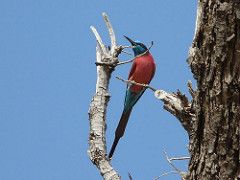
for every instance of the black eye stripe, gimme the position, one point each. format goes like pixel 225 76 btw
pixel 143 46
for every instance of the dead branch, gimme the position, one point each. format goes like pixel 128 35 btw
pixel 97 111
pixel 179 158
pixel 136 83
pixel 166 174
pixel 125 62
pixel 181 173
pixel 176 170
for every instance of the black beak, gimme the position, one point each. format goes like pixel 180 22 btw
pixel 131 41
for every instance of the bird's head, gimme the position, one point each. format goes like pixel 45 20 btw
pixel 138 47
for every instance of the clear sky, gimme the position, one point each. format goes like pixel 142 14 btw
pixel 48 75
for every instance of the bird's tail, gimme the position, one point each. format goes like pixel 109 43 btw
pixel 120 130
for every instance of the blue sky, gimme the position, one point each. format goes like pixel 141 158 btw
pixel 48 75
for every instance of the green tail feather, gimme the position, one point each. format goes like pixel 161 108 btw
pixel 130 100
pixel 120 130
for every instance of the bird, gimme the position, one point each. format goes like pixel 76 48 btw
pixel 142 71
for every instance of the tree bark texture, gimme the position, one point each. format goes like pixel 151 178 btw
pixel 214 59
pixel 106 58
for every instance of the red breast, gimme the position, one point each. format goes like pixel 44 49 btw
pixel 143 72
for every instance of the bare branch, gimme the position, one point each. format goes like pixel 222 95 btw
pixel 128 53
pixel 151 45
pixel 125 62
pixel 97 111
pixel 182 174
pixel 179 158
pixel 173 166
pixel 136 83
pixel 166 174
pixel 125 47
pixel 111 33
pixel 99 39
pixel 177 171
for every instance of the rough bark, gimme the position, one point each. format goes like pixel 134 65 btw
pixel 214 59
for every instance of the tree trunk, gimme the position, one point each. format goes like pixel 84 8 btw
pixel 214 59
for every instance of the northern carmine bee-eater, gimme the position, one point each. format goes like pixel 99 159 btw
pixel 142 71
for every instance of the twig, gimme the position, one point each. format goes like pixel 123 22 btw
pixel 136 83
pixel 130 176
pixel 166 174
pixel 146 51
pixel 121 49
pixel 131 60
pixel 127 52
pixel 118 49
pixel 182 174
pixel 99 39
pixel 125 47
pixel 111 32
pixel 177 171
pixel 125 62
pixel 170 162
pixel 151 45
pixel 179 158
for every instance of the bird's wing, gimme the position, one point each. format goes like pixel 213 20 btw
pixel 133 68
pixel 131 98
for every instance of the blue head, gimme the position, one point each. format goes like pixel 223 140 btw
pixel 138 47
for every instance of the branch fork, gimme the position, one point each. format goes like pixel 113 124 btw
pixel 106 58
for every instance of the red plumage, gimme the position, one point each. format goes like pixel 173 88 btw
pixel 142 71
